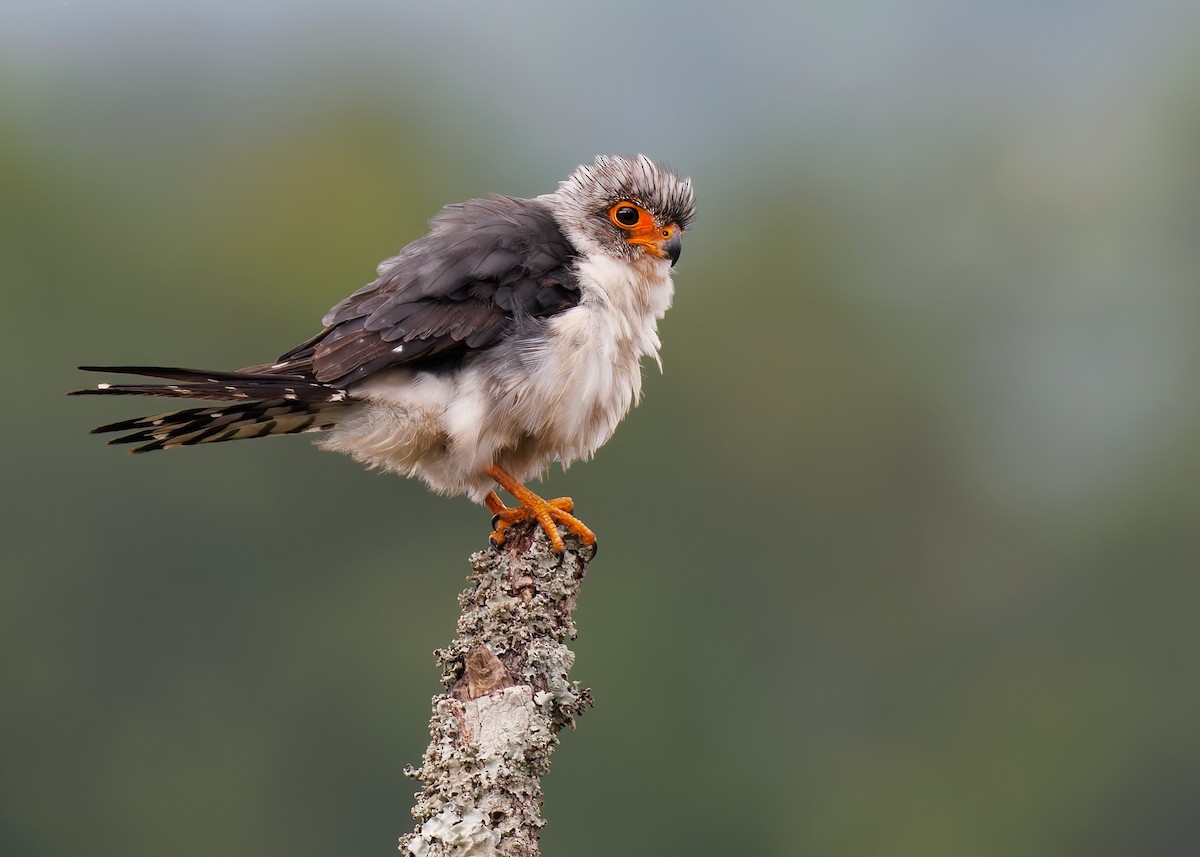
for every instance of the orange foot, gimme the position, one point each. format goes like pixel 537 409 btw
pixel 533 507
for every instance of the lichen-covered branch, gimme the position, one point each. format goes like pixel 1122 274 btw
pixel 508 695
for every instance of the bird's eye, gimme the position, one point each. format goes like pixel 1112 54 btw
pixel 624 214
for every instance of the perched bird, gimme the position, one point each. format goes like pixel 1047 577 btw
pixel 507 337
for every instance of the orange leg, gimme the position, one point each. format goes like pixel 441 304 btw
pixel 533 507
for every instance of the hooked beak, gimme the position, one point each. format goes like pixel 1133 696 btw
pixel 674 245
pixel 665 242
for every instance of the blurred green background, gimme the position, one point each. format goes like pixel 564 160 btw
pixel 899 556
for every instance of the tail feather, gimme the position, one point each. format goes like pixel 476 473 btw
pixel 175 373
pixel 265 405
pixel 213 386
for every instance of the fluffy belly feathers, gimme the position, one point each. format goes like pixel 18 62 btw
pixel 555 394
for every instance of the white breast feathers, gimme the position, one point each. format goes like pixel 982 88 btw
pixel 555 391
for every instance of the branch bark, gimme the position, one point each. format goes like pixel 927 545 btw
pixel 508 696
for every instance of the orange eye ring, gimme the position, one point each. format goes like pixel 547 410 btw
pixel 627 215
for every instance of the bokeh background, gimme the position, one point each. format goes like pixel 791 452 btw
pixel 899 556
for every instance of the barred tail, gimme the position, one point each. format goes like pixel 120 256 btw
pixel 264 404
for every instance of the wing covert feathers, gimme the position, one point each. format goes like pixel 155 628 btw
pixel 454 290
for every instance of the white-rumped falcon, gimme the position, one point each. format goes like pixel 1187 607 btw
pixel 507 337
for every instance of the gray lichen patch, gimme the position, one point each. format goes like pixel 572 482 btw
pixel 493 732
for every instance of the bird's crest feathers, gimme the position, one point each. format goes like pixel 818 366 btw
pixel 591 188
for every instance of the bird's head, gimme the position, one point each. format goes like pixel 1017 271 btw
pixel 626 207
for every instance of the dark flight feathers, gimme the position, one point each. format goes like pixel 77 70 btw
pixel 484 263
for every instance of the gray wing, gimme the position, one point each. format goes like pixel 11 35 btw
pixel 455 290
